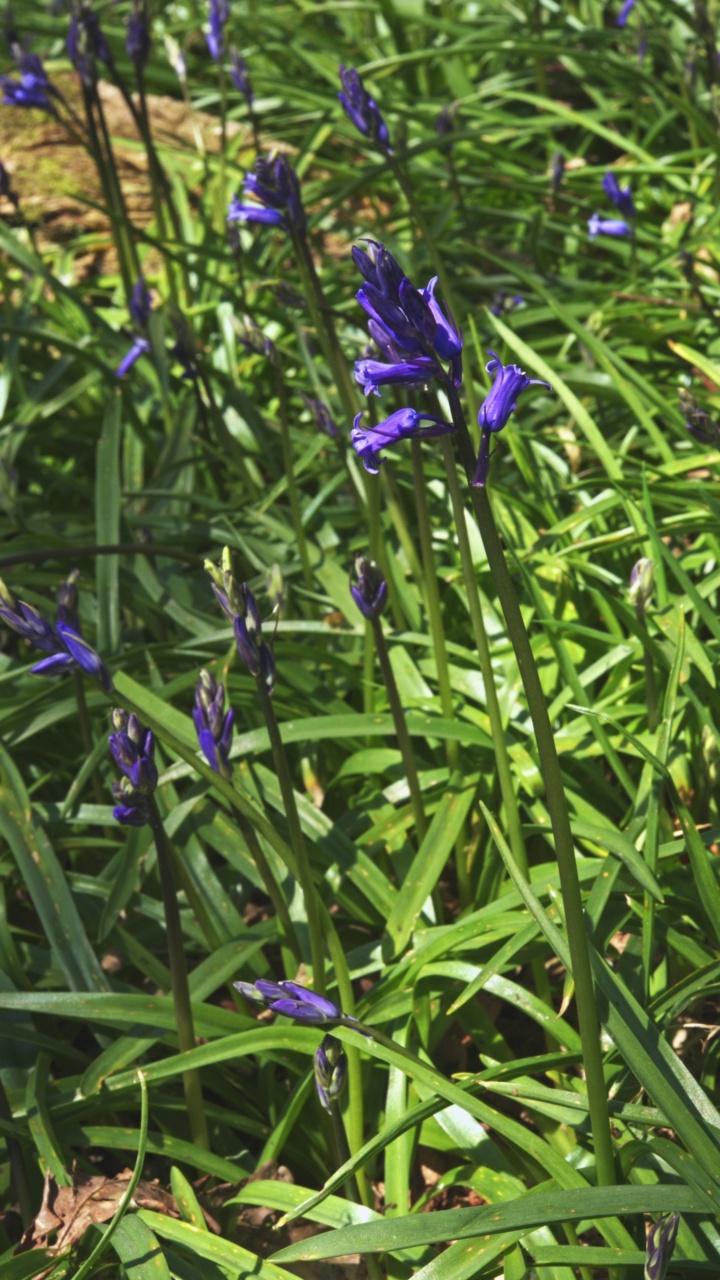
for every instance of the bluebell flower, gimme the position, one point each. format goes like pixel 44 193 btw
pixel 133 750
pixel 240 77
pixel 625 12
pixel 139 307
pixel 68 650
pixel 598 226
pixel 660 1245
pixel 509 383
pixel 361 109
pixel 324 420
pixel 330 1065
pixel 275 184
pixel 370 590
pixel 140 347
pixel 137 34
pixel 373 374
pixel 448 342
pixel 378 267
pixel 240 607
pixel 86 43
pixel 213 726
pixel 620 196
pixel 404 424
pixel 33 89
pixel 291 1000
pixel 218 14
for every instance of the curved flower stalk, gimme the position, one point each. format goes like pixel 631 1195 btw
pixel 509 383
pixel 362 110
pixel 66 647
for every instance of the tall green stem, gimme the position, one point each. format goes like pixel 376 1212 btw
pixel 178 975
pixel 292 956
pixel 297 839
pixel 401 731
pixel 86 734
pixel 289 464
pixel 556 803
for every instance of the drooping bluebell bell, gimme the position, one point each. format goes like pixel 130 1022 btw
pixel 137 34
pixel 701 424
pixel 448 342
pixel 324 420
pixel 86 43
pixel 373 374
pixel 330 1065
pixel 660 1245
pixel 290 1000
pixel 275 184
pixel 598 226
pixel 404 424
pixel 509 381
pixel 240 77
pixel 33 89
pixel 133 750
pixel 624 14
pixel 240 607
pixel 370 590
pixel 67 649
pixel 218 14
pixel 139 307
pixel 361 109
pixel 214 726
pixel 620 196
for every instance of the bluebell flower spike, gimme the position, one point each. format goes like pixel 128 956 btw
pixel 362 110
pixel 137 34
pixel 404 424
pixel 330 1066
pixel 67 649
pixel 700 424
pixel 218 14
pixel 621 197
pixel 509 381
pixel 275 184
pixel 214 726
pixel 86 43
pixel 67 600
pixel 324 420
pixel 33 89
pixel 133 749
pixel 240 607
pixel 369 591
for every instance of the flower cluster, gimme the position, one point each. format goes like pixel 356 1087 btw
pixel 214 728
pixel 361 109
pixel 330 1066
pixel 240 606
pixel 275 184
pixel 291 1001
pixel 67 649
pixel 370 590
pixel 133 750
pixel 139 307
pixel 501 401
pixel 33 89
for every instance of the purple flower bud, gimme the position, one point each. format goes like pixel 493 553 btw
pixel 660 1245
pixel 67 600
pixel 598 226
pixel 378 267
pixel 214 729
pixel 239 76
pixel 504 302
pixel 66 647
pixel 133 749
pixel 370 590
pixel 139 305
pixel 218 14
pixel 448 341
pixel 86 43
pixel 140 347
pixel 330 1070
pixel 401 425
pixel 625 12
pixel 509 382
pixel 362 110
pixel 137 38
pixel 291 1000
pixel 275 184
pixel 620 196
pixel 33 89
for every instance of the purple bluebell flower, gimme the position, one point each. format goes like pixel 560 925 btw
pixel 625 12
pixel 330 1066
pixel 324 420
pixel 218 14
pixel 213 726
pixel 67 600
pixel 139 307
pixel 378 267
pixel 660 1245
pixel 137 35
pixel 240 77
pixel 370 590
pixel 86 43
pixel 133 750
pixel 240 607
pixel 509 382
pixel 33 89
pixel 67 649
pixel 404 424
pixel 361 109
pixel 598 226
pixel 275 184
pixel 448 342
pixel 620 196
pixel 503 302
pixel 701 424
pixel 140 347
pixel 373 374
pixel 291 1000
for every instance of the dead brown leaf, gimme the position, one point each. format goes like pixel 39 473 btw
pixel 67 1212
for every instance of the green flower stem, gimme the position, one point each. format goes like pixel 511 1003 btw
pixel 401 731
pixel 115 213
pixel 290 947
pixel 289 464
pixel 324 325
pixel 114 179
pixel 437 633
pixel 178 975
pixel 355 1109
pixel 557 808
pixel 650 686
pixel 297 839
pixel 87 734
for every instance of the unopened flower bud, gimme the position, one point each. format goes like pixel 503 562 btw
pixel 330 1071
pixel 660 1245
pixel 641 584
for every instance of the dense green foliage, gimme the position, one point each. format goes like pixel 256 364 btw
pixel 473 1101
